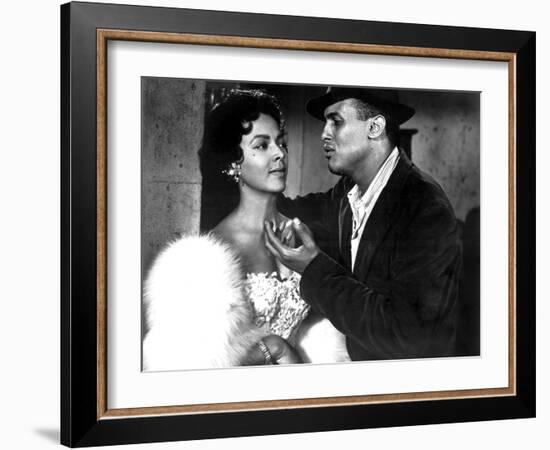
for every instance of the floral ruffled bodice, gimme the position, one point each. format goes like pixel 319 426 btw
pixel 276 303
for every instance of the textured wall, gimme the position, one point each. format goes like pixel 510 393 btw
pixel 172 123
pixel 447 144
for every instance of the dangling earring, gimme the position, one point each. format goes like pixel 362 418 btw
pixel 234 171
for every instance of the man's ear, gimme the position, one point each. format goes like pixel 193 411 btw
pixel 377 126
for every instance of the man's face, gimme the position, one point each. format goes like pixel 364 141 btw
pixel 345 138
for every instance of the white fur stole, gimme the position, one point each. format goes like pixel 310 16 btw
pixel 196 312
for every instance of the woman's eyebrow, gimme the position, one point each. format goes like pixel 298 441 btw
pixel 260 136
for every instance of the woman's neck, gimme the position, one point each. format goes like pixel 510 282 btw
pixel 255 207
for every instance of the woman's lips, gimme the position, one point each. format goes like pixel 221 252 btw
pixel 278 172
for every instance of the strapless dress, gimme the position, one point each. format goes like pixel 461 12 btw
pixel 276 303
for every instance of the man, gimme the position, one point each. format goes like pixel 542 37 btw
pixel 382 259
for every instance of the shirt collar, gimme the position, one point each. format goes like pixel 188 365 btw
pixel 359 202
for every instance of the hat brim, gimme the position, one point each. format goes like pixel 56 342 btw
pixel 397 111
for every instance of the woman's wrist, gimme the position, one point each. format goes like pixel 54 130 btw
pixel 268 357
pixel 271 349
pixel 275 346
pixel 281 351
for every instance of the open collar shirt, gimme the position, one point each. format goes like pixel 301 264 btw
pixel 362 205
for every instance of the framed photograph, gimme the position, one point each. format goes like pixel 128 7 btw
pixel 278 224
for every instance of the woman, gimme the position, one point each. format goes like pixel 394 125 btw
pixel 250 309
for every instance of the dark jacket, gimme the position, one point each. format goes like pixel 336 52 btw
pixel 400 299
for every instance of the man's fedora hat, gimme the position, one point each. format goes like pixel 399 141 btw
pixel 384 99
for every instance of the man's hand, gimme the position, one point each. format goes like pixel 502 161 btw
pixel 296 259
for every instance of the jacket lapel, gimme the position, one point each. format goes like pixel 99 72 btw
pixel 344 224
pixel 344 231
pixel 382 214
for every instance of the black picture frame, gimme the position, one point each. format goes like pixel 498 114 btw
pixel 82 424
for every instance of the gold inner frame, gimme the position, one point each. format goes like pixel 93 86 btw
pixel 104 35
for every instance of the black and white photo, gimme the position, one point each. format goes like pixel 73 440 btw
pixel 286 223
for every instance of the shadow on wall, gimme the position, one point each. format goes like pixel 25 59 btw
pixel 468 331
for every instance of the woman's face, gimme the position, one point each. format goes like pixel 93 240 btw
pixel 264 163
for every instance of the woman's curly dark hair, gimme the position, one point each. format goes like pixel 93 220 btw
pixel 225 125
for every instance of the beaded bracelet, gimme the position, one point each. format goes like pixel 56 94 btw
pixel 267 354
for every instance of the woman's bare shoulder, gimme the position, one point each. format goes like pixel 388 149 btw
pixel 221 231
